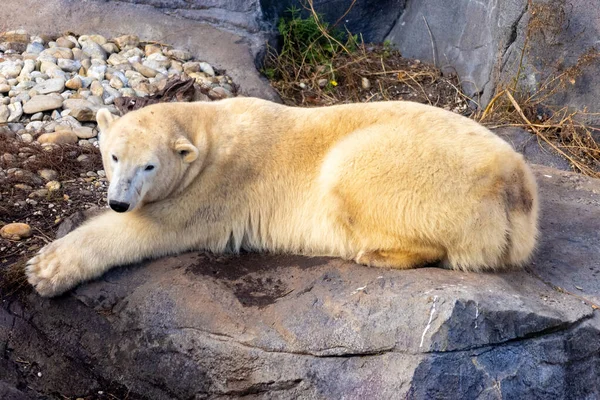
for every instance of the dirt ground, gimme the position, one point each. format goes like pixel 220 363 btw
pixel 25 198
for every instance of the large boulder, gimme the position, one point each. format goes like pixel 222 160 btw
pixel 463 36
pixel 280 326
pixel 491 43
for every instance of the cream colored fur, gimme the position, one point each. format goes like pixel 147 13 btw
pixel 392 184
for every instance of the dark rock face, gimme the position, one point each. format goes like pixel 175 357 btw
pixel 278 326
pixel 372 18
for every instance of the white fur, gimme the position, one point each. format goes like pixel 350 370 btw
pixel 394 184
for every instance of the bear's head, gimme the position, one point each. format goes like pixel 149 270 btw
pixel 146 155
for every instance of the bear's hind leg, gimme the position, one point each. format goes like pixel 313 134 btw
pixel 400 259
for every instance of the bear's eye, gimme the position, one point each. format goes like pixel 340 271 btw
pixel 115 159
pixel 149 167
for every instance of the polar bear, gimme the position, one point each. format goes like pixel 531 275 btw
pixel 388 184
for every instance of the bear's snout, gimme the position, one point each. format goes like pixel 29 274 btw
pixel 118 206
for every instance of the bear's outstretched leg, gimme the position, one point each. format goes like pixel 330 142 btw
pixel 105 241
pixel 400 259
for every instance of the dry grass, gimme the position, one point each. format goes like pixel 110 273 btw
pixel 563 129
pixel 319 65
pixel 60 158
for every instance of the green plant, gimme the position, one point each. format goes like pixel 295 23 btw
pixel 307 44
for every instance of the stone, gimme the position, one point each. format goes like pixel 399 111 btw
pixel 43 103
pixel 50 86
pixel 65 42
pixel 82 110
pixel 60 52
pixel 16 231
pixel 116 59
pixel 127 41
pixel 180 55
pixel 96 88
pixel 150 49
pixel 96 100
pixel 207 68
pixel 91 48
pixel 39 193
pixel 4 88
pixel 74 83
pixel 8 158
pixel 191 67
pixel 35 48
pixel 23 187
pixel 110 48
pixel 28 68
pixel 4 114
pixel 365 83
pixel 46 56
pixel 53 186
pixel 69 65
pixel 48 174
pixel 11 69
pixel 145 70
pixel 218 93
pixel 37 116
pixel 101 40
pixel 16 111
pixel 46 66
pixel 116 82
pixel 61 137
pixel 85 132
pixel 96 72
pixel 35 126
pixel 79 55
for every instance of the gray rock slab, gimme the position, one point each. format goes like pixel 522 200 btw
pixel 535 150
pixel 569 250
pixel 55 85
pixel 43 102
pixel 463 36
pixel 281 326
pixel 563 42
pixel 484 41
pixel 222 49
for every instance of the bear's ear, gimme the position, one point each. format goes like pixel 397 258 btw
pixel 104 119
pixel 186 150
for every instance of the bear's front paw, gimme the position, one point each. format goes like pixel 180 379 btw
pixel 56 269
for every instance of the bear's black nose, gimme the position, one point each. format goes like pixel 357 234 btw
pixel 118 206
